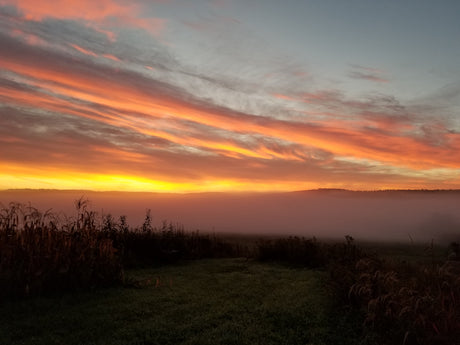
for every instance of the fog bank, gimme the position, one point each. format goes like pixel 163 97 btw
pixel 390 215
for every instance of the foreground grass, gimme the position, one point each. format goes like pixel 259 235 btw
pixel 219 301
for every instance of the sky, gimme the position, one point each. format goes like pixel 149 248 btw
pixel 227 95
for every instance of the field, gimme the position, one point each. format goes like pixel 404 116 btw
pixel 217 301
pixel 90 280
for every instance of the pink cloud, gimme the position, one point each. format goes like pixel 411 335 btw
pixel 29 38
pixel 285 97
pixel 111 57
pixel 91 53
pixel 137 104
pixel 104 12
pixel 84 51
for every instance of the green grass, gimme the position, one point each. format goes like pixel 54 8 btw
pixel 218 301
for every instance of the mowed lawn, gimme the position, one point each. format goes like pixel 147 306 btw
pixel 219 301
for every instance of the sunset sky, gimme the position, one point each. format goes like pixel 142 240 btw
pixel 229 95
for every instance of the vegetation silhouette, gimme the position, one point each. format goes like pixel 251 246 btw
pixel 400 301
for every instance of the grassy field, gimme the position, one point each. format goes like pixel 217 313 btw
pixel 214 301
pixel 196 289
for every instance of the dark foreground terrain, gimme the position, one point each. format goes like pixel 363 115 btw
pixel 217 301
pixel 95 280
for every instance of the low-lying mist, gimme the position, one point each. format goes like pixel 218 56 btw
pixel 405 216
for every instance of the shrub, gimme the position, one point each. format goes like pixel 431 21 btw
pixel 167 244
pixel 293 250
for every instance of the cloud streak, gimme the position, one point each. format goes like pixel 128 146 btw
pixel 101 14
pixel 73 110
pixel 366 73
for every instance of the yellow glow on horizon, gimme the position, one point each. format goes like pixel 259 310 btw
pixel 24 177
pixel 97 182
pixel 138 184
pixel 17 177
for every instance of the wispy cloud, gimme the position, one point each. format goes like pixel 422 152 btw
pixel 103 14
pixel 367 73
pixel 73 105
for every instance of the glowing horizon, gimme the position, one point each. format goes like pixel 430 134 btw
pixel 156 97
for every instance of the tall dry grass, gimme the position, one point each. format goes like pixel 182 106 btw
pixel 168 243
pixel 401 302
pixel 39 253
pixel 410 305
pixel 406 303
pixel 42 252
pixel 309 252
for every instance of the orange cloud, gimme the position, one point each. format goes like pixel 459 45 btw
pixel 91 53
pixel 84 51
pixel 217 146
pixel 285 97
pixel 356 142
pixel 29 38
pixel 111 57
pixel 70 9
pixel 108 12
